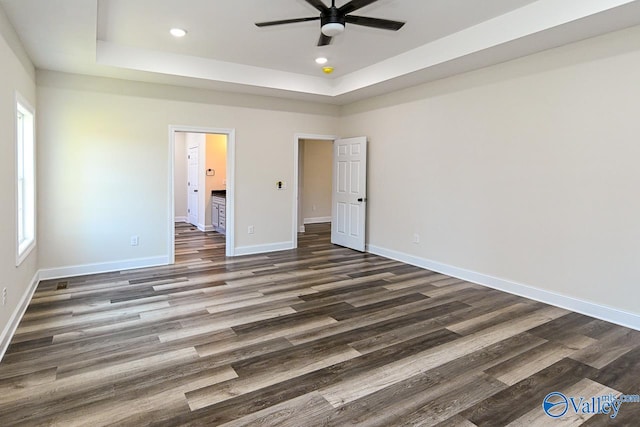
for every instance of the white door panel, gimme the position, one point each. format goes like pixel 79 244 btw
pixel 349 197
pixel 192 186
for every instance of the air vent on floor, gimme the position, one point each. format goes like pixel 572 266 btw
pixel 61 285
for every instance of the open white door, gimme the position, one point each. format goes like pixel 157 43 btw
pixel 192 186
pixel 348 212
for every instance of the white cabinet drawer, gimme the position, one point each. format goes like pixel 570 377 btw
pixel 219 213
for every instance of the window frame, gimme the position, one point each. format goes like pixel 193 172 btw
pixel 25 177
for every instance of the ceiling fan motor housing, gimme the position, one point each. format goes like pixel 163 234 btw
pixel 332 17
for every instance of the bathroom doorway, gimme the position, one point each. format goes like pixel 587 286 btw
pixel 202 196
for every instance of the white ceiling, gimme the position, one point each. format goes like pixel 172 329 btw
pixel 224 50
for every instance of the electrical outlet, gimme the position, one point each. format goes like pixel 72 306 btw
pixel 135 240
pixel 416 238
pixel 314 208
pixel 251 229
pixel 4 296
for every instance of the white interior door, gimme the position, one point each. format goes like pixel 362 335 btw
pixel 192 185
pixel 349 198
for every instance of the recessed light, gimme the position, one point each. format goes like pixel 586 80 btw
pixel 321 60
pixel 178 32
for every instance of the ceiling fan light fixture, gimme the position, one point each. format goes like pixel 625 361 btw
pixel 332 29
pixel 333 19
pixel 321 60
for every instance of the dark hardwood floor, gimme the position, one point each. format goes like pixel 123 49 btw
pixel 317 336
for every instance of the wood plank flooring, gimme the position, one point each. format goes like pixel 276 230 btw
pixel 319 336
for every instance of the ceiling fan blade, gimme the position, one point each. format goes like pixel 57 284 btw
pixel 318 5
pixel 354 5
pixel 324 40
pixel 384 24
pixel 286 21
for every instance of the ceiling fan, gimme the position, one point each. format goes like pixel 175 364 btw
pixel 333 19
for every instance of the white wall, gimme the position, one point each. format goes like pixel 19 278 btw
pixel 216 160
pixel 525 171
pixel 180 180
pixel 316 182
pixel 106 175
pixel 17 75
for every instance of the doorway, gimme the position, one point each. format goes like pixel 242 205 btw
pixel 313 168
pixel 347 174
pixel 202 171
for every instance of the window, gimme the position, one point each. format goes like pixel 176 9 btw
pixel 25 179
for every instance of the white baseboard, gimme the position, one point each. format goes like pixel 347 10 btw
pixel 609 314
pixel 205 228
pixel 16 317
pixel 180 219
pixel 104 267
pixel 258 249
pixel 302 229
pixel 317 220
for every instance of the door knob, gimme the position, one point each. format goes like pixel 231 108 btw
pixel 361 199
pixel 195 191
